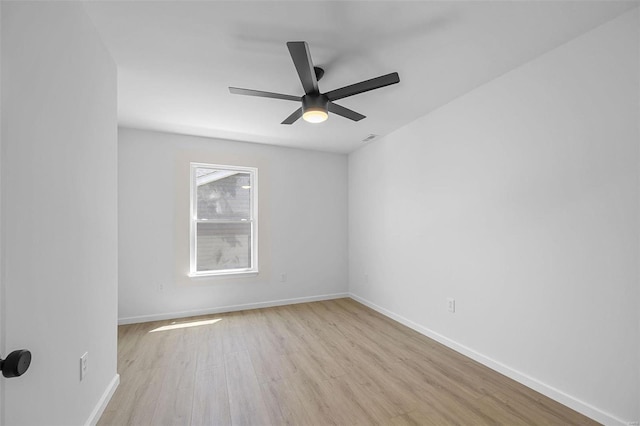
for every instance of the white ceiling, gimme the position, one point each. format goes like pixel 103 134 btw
pixel 176 59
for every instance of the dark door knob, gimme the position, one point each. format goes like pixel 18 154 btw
pixel 16 364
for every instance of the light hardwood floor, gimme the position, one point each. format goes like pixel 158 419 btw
pixel 322 363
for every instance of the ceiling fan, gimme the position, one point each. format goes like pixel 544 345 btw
pixel 315 105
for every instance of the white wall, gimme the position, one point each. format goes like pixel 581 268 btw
pixel 2 309
pixel 59 211
pixel 302 226
pixel 520 200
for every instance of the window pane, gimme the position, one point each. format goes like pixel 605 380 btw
pixel 223 194
pixel 223 246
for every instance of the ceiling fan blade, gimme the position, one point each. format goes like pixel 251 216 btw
pixel 299 51
pixel 345 112
pixel 293 117
pixel 363 86
pixel 260 93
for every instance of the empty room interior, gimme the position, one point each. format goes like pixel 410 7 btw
pixel 320 213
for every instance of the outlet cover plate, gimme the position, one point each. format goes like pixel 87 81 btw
pixel 451 304
pixel 84 365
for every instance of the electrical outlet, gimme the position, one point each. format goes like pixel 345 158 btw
pixel 451 304
pixel 283 277
pixel 366 278
pixel 84 365
pixel 161 287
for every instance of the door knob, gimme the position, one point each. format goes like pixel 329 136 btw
pixel 16 363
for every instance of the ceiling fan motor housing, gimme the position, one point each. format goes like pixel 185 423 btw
pixel 315 102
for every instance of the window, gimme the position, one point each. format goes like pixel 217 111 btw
pixel 224 238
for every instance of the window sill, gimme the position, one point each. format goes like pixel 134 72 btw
pixel 225 274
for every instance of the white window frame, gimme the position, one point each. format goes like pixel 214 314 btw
pixel 193 220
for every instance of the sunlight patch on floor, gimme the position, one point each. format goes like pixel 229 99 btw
pixel 174 326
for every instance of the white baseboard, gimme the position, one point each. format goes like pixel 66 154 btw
pixel 230 308
pixel 104 400
pixel 553 393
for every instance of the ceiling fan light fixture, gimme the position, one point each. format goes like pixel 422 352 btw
pixel 315 115
pixel 315 108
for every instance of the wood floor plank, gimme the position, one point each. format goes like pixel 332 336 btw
pixel 175 400
pixel 210 398
pixel 134 402
pixel 271 366
pixel 376 408
pixel 421 417
pixel 322 363
pixel 284 404
pixel 232 337
pixel 245 398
